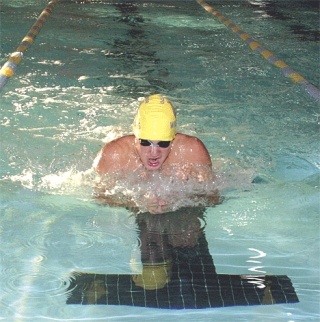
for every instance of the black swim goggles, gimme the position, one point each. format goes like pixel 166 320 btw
pixel 161 144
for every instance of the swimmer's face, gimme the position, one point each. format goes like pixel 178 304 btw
pixel 153 153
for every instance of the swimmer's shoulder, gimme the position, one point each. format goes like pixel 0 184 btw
pixel 192 148
pixel 114 154
pixel 125 142
pixel 188 141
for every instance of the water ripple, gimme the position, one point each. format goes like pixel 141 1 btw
pixel 34 283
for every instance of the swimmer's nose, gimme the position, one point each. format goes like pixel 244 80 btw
pixel 154 149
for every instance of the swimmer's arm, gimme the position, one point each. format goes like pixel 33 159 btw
pixel 213 197
pixel 207 200
pixel 107 164
pixel 204 175
pixel 202 172
pixel 108 159
pixel 118 200
pixel 98 163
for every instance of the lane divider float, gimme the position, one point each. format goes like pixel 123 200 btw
pixel 9 68
pixel 287 71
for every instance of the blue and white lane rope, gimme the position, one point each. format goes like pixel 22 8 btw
pixel 286 70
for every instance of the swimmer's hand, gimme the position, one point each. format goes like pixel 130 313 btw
pixel 157 205
pixel 153 203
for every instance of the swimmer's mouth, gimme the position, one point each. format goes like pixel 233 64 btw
pixel 153 162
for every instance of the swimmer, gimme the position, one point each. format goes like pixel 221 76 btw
pixel 155 147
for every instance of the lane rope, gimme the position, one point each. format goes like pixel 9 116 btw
pixel 287 71
pixel 9 68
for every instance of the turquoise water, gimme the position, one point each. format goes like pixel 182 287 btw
pixel 77 89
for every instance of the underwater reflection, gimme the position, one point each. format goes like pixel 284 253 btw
pixel 178 272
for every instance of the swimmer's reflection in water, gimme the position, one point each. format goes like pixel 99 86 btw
pixel 177 272
pixel 174 249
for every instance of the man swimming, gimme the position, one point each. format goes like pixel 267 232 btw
pixel 155 147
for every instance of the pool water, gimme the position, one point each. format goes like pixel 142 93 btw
pixel 77 88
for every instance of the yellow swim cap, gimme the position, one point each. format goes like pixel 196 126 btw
pixel 155 119
pixel 154 276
